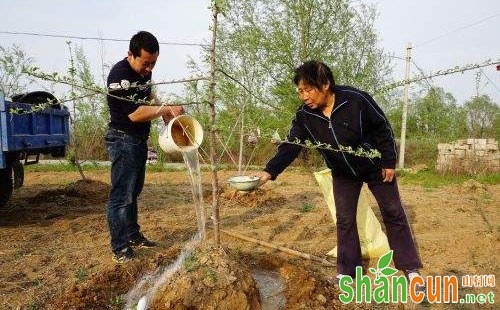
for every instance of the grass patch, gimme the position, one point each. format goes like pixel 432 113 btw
pixel 35 305
pixel 81 274
pixel 116 302
pixel 431 179
pixel 305 208
pixel 65 167
pixel 428 179
pixel 210 275
pixel 191 263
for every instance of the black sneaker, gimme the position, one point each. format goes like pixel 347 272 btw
pixel 410 274
pixel 142 241
pixel 123 256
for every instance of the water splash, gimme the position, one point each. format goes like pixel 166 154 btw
pixel 145 289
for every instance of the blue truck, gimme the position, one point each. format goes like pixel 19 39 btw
pixel 26 134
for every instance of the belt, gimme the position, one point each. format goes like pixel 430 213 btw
pixel 121 132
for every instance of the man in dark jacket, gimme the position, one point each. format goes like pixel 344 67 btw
pixel 343 116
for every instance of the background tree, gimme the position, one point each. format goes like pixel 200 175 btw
pixel 91 112
pixel 482 117
pixel 12 61
pixel 261 42
pixel 436 115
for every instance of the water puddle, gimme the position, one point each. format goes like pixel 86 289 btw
pixel 145 289
pixel 271 289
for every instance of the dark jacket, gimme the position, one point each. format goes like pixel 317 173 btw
pixel 356 121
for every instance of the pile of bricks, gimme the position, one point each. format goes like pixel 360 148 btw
pixel 469 156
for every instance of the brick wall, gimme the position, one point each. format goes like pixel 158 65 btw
pixel 470 156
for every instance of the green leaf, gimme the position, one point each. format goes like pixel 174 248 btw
pixel 385 260
pixel 373 270
pixel 388 271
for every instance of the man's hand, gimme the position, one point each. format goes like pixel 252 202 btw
pixel 264 177
pixel 171 111
pixel 388 175
pixel 175 110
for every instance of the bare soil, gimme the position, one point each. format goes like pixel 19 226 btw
pixel 55 252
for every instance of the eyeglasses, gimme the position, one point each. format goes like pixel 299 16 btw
pixel 306 90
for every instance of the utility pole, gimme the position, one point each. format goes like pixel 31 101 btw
pixel 405 109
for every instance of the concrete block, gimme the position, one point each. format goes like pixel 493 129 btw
pixel 443 146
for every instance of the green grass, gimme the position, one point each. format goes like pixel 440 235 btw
pixel 81 274
pixel 191 263
pixel 116 302
pixel 35 305
pixel 210 275
pixel 431 179
pixel 64 167
pixel 428 179
pixel 305 208
pixel 93 166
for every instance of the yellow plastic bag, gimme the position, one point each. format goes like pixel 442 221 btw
pixel 371 237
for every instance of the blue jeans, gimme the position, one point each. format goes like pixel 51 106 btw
pixel 128 156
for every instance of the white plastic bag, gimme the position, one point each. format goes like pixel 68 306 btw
pixel 371 237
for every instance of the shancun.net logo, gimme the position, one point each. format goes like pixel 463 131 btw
pixel 391 288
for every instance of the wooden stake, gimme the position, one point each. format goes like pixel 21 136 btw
pixel 281 248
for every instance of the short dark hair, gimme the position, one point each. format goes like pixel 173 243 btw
pixel 314 73
pixel 143 40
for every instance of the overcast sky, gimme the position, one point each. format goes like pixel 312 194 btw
pixel 399 22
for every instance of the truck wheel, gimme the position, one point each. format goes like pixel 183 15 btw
pixel 6 185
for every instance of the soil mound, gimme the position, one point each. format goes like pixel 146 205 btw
pixel 89 190
pixel 107 289
pixel 256 198
pixel 209 280
pixel 473 186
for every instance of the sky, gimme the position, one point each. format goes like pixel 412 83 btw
pixel 426 24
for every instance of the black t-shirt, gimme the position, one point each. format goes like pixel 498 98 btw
pixel 125 83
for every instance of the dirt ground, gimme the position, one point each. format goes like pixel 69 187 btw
pixel 55 252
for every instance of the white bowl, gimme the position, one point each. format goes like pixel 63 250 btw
pixel 244 183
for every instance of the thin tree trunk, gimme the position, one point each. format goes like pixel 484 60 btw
pixel 240 157
pixel 215 181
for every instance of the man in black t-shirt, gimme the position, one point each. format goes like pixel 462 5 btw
pixel 129 99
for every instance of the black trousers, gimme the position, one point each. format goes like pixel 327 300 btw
pixel 346 192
